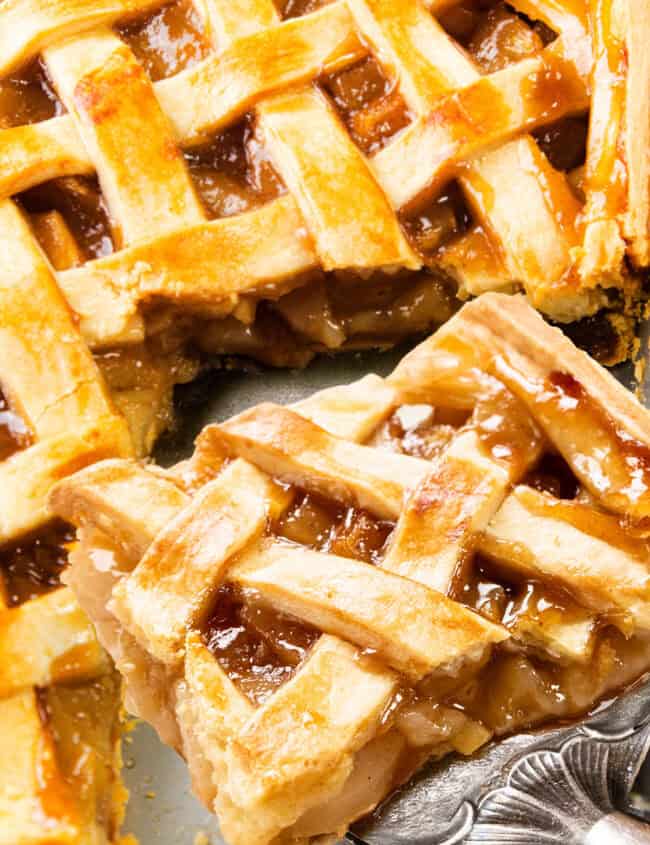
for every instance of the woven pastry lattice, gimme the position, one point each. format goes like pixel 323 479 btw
pixel 381 617
pixel 343 209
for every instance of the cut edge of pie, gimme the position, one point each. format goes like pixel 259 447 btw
pixel 315 603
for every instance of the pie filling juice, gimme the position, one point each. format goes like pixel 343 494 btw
pixel 518 687
pixel 75 762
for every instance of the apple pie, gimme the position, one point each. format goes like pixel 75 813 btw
pixel 292 176
pixel 59 693
pixel 327 595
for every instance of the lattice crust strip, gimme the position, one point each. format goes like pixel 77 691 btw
pixel 50 378
pixel 59 699
pixel 390 631
pixel 46 642
pixel 527 221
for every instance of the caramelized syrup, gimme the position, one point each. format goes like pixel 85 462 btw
pixel 296 8
pixel 370 105
pixel 525 691
pixel 420 430
pixel 440 221
pixel 233 173
pixel 613 462
pixel 323 525
pixel 502 38
pixel 606 174
pixel 84 722
pixel 503 598
pixel 258 650
pixel 28 97
pixel 461 20
pixel 80 202
pixel 505 428
pixel 553 475
pixel 564 142
pixel 169 40
pixel 55 799
pixel 14 434
pixel 33 566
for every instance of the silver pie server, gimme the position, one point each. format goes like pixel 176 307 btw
pixel 569 785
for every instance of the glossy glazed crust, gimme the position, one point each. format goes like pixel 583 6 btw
pixel 157 546
pixel 341 211
pixel 49 375
pixel 53 671
pixel 565 391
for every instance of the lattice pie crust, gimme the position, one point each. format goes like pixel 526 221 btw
pixel 59 695
pixel 327 595
pixel 361 212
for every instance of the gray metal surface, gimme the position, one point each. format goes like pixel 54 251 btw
pixel 445 800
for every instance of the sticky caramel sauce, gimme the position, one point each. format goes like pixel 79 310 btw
pixel 437 222
pixel 321 524
pixel 55 796
pixel 348 294
pixel 28 97
pixel 169 40
pixel 476 253
pixel 421 431
pixel 511 690
pixel 81 229
pixel 553 475
pixel 606 172
pixel 369 104
pixel 505 429
pixel 501 597
pixel 501 38
pixel 233 172
pixel 486 27
pixel 296 8
pixel 461 20
pixel 518 686
pixel 84 723
pixel 564 142
pixel 82 209
pixel 14 433
pixel 33 566
pixel 258 649
pixel 515 691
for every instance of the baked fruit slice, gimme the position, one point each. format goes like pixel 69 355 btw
pixel 327 595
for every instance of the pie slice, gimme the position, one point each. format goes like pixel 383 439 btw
pixel 304 175
pixel 327 595
pixel 60 696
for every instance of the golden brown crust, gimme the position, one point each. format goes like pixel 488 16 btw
pixel 278 728
pixel 59 697
pixel 344 211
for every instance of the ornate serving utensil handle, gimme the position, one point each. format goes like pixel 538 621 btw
pixel 567 796
pixel 565 786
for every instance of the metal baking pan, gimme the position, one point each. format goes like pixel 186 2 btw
pixel 565 785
